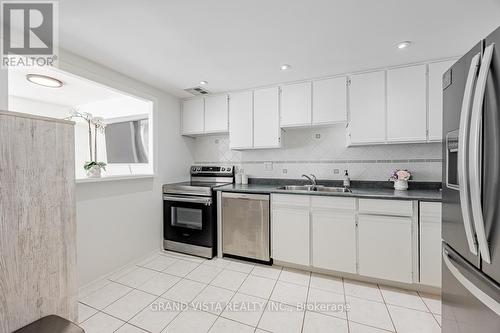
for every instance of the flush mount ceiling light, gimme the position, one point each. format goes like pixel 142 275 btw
pixel 44 80
pixel 285 67
pixel 403 45
pixel 203 83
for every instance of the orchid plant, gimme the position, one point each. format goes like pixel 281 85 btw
pixel 400 174
pixel 98 125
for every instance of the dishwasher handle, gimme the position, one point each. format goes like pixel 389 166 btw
pixel 233 195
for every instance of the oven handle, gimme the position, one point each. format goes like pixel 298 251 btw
pixel 206 201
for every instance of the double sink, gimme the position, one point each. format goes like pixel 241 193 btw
pixel 314 188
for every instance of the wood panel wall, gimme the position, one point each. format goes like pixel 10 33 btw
pixel 37 220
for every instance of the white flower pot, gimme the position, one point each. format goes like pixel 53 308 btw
pixel 401 185
pixel 94 172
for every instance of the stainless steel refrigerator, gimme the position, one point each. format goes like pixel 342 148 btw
pixel 471 191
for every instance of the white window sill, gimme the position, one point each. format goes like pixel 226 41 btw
pixel 112 178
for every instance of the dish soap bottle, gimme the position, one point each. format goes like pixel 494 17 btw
pixel 347 181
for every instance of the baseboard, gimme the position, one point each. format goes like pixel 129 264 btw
pixel 410 286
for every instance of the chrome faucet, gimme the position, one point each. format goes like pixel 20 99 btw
pixel 312 178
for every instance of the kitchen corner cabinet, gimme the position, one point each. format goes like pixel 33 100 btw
pixel 266 118
pixel 329 101
pixel 216 114
pixel 296 104
pixel 333 226
pixel 241 120
pixel 193 116
pixel 366 108
pixel 290 228
pixel 407 104
pixel 205 115
pixel 430 243
pixel 436 71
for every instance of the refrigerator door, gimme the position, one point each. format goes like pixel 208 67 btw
pixel 471 301
pixel 457 231
pixel 491 160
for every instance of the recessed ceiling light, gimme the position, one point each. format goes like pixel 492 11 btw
pixel 44 80
pixel 285 67
pixel 203 83
pixel 403 45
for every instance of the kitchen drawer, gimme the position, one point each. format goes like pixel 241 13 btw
pixel 295 200
pixel 386 207
pixel 324 202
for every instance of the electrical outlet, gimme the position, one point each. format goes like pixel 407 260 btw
pixel 285 171
pixel 317 136
pixel 268 166
pixel 336 171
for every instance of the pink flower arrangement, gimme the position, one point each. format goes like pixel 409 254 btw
pixel 400 174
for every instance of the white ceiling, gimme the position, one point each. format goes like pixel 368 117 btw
pixel 75 91
pixel 237 44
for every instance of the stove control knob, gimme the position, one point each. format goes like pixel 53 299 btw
pixel 223 169
pixel 228 169
pixel 198 169
pixel 193 169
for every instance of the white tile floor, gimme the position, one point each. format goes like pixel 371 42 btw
pixel 170 292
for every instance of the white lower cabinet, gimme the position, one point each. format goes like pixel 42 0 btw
pixel 375 238
pixel 334 240
pixel 430 243
pixel 385 247
pixel 290 229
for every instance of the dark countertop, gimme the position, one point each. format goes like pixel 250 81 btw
pixel 424 193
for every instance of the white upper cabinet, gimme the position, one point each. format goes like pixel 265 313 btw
pixel 329 101
pixel 193 121
pixel 296 105
pixel 266 118
pixel 241 120
pixel 436 71
pixel 367 108
pixel 406 104
pixel 216 114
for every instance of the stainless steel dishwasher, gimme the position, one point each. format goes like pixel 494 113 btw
pixel 245 225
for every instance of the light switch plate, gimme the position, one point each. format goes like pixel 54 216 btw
pixel 268 166
pixel 285 171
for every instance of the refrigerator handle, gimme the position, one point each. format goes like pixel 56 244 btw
pixel 469 285
pixel 475 156
pixel 463 149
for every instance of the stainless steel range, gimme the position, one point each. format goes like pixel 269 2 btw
pixel 190 211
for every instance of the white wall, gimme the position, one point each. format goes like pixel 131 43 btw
pixel 303 153
pixel 25 105
pixel 121 221
pixel 4 91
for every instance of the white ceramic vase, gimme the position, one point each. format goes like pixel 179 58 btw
pixel 401 185
pixel 94 172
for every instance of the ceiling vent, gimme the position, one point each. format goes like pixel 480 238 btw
pixel 197 91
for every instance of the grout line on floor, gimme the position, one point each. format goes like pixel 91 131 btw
pixel 307 300
pixel 387 307
pixel 432 313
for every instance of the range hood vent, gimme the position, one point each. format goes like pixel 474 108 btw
pixel 197 91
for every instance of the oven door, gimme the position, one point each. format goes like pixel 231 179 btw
pixel 189 220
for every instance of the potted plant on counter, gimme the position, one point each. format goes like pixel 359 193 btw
pixel 400 177
pixel 92 167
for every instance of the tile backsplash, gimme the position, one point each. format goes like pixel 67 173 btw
pixel 323 152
